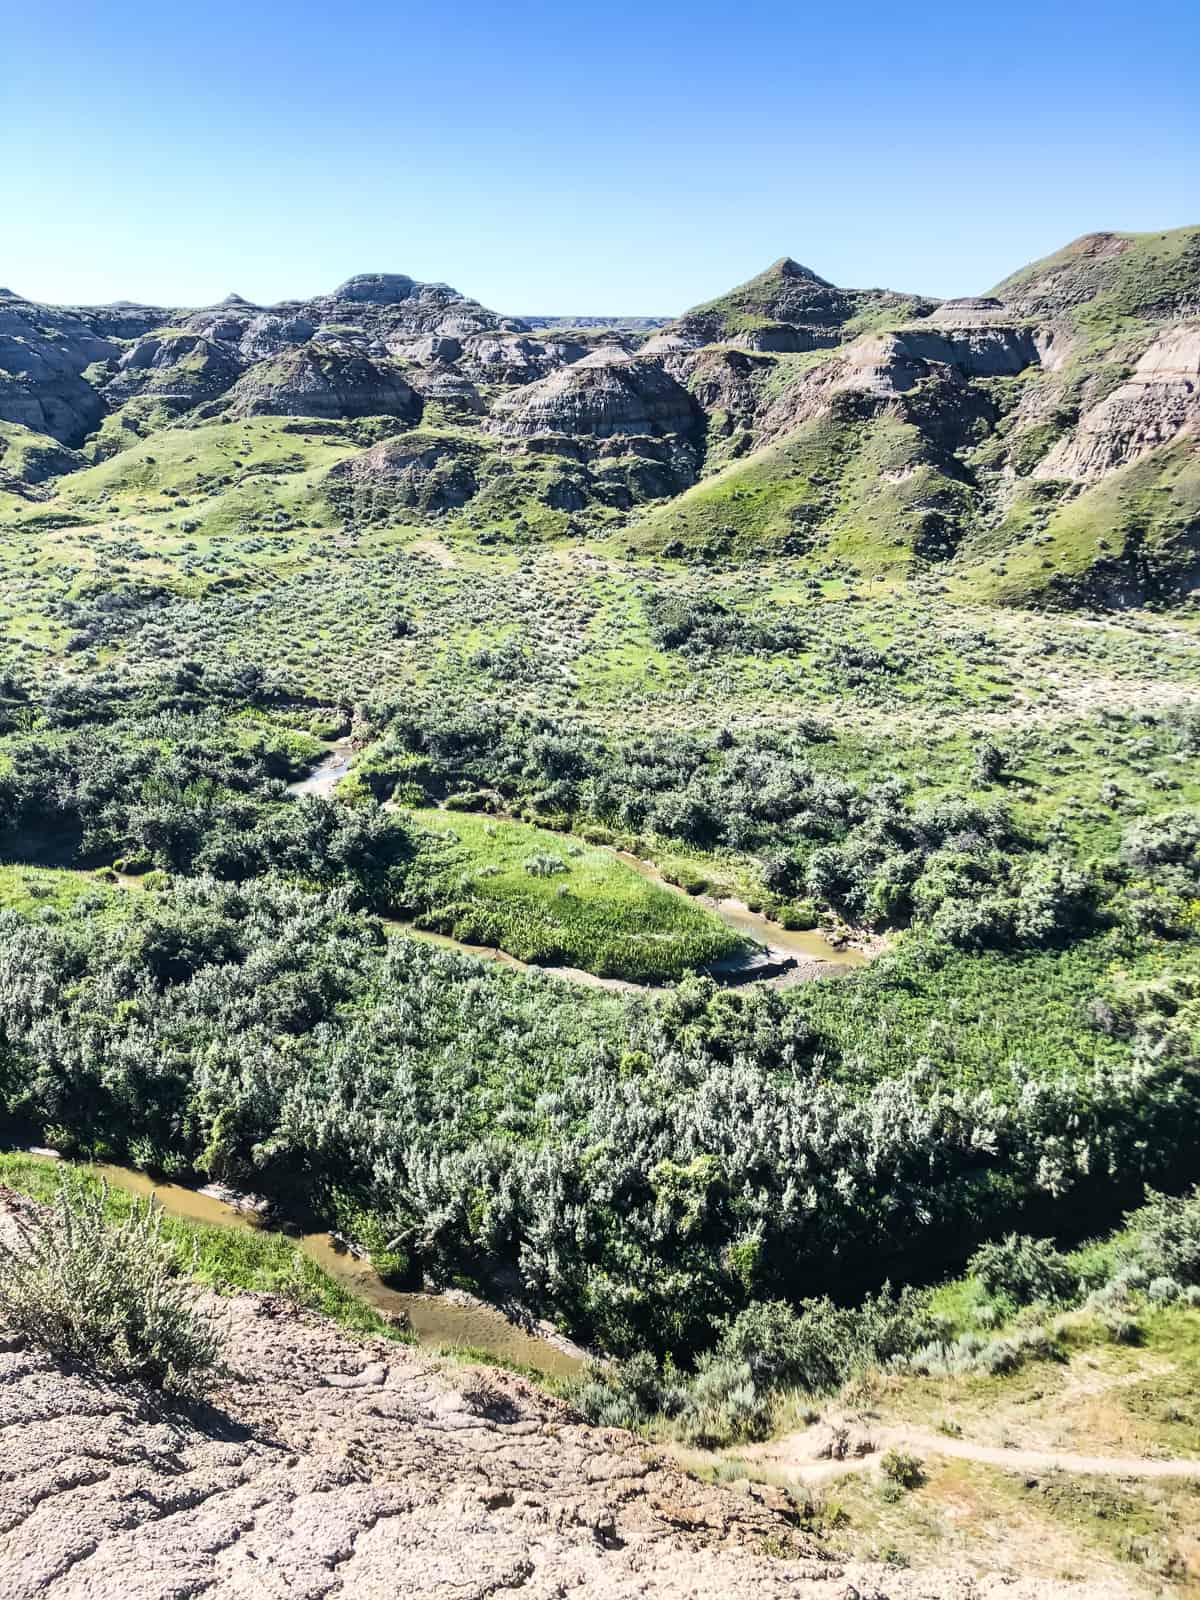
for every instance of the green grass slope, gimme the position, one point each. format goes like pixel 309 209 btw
pixel 1131 538
pixel 870 493
pixel 1108 284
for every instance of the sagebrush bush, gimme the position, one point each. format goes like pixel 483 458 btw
pixel 905 1470
pixel 971 1353
pixel 1024 1268
pixel 723 1405
pixel 720 1404
pixel 1167 1230
pixel 108 1295
pixel 1121 1329
pixel 1164 1291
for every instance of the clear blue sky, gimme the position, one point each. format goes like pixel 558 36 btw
pixel 625 157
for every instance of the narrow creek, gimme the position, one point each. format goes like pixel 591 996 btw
pixel 439 1320
pixel 328 772
pixel 788 955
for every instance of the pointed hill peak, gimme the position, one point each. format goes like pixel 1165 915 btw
pixel 787 267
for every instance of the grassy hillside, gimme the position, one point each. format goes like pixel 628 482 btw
pixel 858 496
pixel 1109 284
pixel 1131 538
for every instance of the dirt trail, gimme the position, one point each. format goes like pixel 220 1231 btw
pixel 328 1468
pixel 804 1455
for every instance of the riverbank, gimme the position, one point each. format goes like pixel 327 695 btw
pixel 767 953
pixel 321 1461
pixel 450 1321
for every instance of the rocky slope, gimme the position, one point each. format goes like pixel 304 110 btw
pixel 1159 401
pixel 330 1467
pixel 605 394
pixel 324 380
pixel 788 308
pixel 931 434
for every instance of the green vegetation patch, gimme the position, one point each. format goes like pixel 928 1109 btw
pixel 228 1259
pixel 550 900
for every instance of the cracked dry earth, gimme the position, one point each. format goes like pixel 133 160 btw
pixel 327 1466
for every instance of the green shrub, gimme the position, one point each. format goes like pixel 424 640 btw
pixel 381 1241
pixel 1025 1269
pixel 111 1297
pixel 798 916
pixel 1167 1230
pixel 684 876
pixel 970 1353
pixel 819 1345
pixel 905 1470
pixel 723 1406
pixel 624 1395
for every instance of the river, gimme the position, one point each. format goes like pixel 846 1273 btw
pixel 441 1320
pixel 787 956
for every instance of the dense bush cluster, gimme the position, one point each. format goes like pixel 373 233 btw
pixel 873 854
pixel 771 1347
pixel 647 1168
pixel 197 794
pixel 695 624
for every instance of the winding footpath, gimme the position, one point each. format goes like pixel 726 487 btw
pixel 803 1455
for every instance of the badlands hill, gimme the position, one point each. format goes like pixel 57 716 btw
pixel 1035 444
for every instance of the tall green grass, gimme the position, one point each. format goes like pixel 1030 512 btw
pixel 547 899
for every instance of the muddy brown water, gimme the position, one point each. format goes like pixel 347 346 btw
pixel 804 944
pixel 441 1321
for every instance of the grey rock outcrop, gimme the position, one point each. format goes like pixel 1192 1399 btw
pixel 605 394
pixel 391 306
pixel 44 351
pixel 969 311
pixel 880 369
pixel 725 383
pixel 517 358
pixel 445 385
pixel 267 333
pixel 178 366
pixel 1159 401
pixel 893 362
pixel 225 324
pixel 379 288
pixel 329 381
